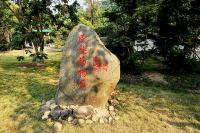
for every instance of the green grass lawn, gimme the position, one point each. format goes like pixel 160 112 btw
pixel 145 106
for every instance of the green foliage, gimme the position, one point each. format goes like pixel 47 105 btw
pixel 172 24
pixel 27 51
pixel 142 104
pixel 48 41
pixel 38 15
pixel 20 58
pixel 179 25
pixel 17 41
pixel 92 15
pixel 58 41
pixel 134 63
pixel 4 47
pixel 39 57
pixel 86 22
pixel 5 25
pixel 127 20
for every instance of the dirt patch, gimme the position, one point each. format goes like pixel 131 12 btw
pixel 30 65
pixel 129 78
pixel 155 77
pixel 152 76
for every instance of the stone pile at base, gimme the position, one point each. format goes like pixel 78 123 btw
pixel 78 115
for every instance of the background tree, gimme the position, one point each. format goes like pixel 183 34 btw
pixel 179 28
pixel 130 20
pixel 174 25
pixel 5 27
pixel 92 13
pixel 91 9
pixel 39 15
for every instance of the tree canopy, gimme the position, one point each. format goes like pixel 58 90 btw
pixel 173 26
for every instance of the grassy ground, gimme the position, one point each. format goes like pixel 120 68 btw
pixel 145 106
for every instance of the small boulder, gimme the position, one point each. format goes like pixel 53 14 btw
pixel 111 108
pixel 63 106
pixel 105 120
pixel 74 121
pixel 101 120
pixel 112 113
pixel 64 114
pixel 46 115
pixel 101 112
pixel 70 119
pixel 74 107
pixel 110 119
pixel 45 108
pixel 117 118
pixel 84 111
pixel 81 121
pixel 88 121
pixel 114 102
pixel 57 127
pixel 95 118
pixel 48 103
pixel 55 114
pixel 88 117
pixel 53 106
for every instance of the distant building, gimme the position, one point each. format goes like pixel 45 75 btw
pixel 146 45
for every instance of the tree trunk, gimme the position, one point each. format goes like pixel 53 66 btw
pixel 42 43
pixel 34 47
pixel 34 44
pixel 7 35
pixel 91 2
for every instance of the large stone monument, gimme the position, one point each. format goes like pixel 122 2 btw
pixel 89 71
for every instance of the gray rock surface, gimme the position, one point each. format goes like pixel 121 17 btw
pixel 84 111
pixel 55 114
pixel 81 121
pixel 57 127
pixel 89 71
pixel 46 115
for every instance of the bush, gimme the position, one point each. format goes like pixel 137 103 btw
pixel 39 57
pixel 4 47
pixel 17 41
pixel 86 22
pixel 49 41
pixel 20 58
pixel 134 63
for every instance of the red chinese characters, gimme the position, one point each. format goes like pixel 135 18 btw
pixel 82 73
pixel 82 49
pixel 82 84
pixel 97 64
pixel 81 38
pixel 104 66
pixel 81 61
pixel 96 61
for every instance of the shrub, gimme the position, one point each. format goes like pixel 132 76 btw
pixel 4 47
pixel 20 58
pixel 39 57
pixel 17 41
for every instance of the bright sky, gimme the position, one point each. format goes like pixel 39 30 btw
pixel 81 2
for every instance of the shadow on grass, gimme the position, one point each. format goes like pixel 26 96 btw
pixel 185 124
pixel 28 119
pixel 155 97
pixel 164 99
pixel 28 66
pixel 40 91
pixel 28 111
